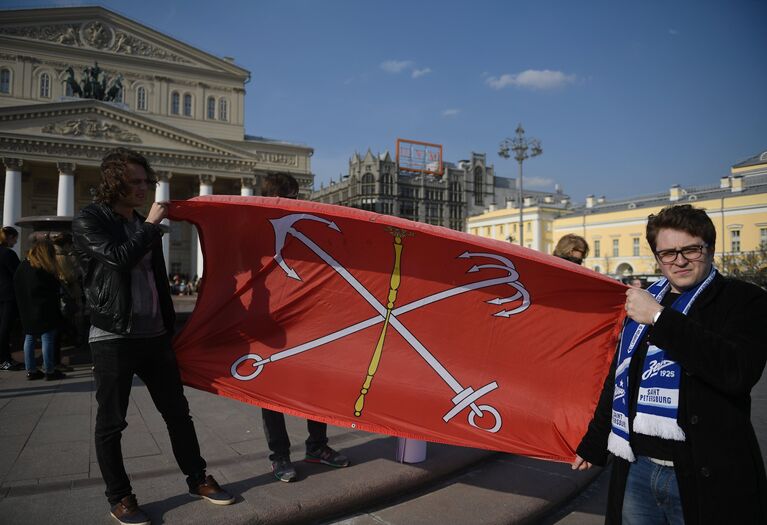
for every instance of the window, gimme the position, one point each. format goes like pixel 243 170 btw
pixel 368 184
pixel 141 99
pixel 45 85
pixel 5 81
pixel 635 247
pixel 175 102
pixel 597 269
pixel 763 238
pixel 68 90
pixel 223 114
pixel 479 189
pixel 597 249
pixel 187 105
pixel 735 241
pixel 119 97
pixel 211 108
pixel 615 248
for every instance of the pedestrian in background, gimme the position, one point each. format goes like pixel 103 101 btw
pixel 573 248
pixel 37 283
pixel 9 262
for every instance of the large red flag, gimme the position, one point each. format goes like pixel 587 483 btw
pixel 391 326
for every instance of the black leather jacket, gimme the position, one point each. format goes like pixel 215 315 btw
pixel 107 255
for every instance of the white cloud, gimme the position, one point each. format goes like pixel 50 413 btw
pixel 451 112
pixel 396 66
pixel 532 79
pixel 673 32
pixel 417 73
pixel 538 182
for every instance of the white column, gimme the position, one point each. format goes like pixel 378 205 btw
pixel 206 188
pixel 246 188
pixel 12 199
pixel 65 203
pixel 162 194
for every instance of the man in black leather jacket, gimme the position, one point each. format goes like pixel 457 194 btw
pixel 132 317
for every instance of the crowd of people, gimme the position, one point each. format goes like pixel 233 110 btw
pixel 674 411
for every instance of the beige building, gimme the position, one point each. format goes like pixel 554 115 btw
pixel 179 106
pixel 615 230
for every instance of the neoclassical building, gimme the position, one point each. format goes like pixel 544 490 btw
pixel 179 106
pixel 615 229
pixel 465 189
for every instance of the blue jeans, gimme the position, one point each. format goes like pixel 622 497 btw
pixel 49 350
pixel 652 495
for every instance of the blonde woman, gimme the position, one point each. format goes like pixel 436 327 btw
pixel 37 282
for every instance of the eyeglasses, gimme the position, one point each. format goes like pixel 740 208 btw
pixel 690 253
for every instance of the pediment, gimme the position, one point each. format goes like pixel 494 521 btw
pixel 103 31
pixel 94 122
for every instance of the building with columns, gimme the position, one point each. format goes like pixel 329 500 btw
pixel 465 189
pixel 615 229
pixel 180 107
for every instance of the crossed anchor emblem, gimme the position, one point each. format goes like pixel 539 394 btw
pixel 387 315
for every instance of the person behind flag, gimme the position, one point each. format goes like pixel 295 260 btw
pixel 317 449
pixel 675 409
pixel 573 248
pixel 132 320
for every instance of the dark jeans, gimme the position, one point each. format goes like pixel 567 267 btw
pixel 277 435
pixel 115 362
pixel 8 314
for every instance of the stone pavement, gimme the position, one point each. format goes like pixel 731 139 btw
pixel 49 474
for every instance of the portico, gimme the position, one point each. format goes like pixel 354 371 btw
pixel 180 107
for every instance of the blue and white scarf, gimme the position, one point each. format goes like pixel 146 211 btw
pixel 658 399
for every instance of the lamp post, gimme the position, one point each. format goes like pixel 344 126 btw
pixel 520 146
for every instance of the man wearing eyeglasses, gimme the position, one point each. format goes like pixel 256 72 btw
pixel 675 409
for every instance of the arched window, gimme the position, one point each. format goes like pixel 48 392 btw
pixel 68 90
pixel 119 97
pixel 187 105
pixel 45 85
pixel 141 104
pixel 223 113
pixel 479 187
pixel 211 108
pixel 175 103
pixel 5 81
pixel 368 184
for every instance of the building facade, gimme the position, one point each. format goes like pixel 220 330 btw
pixel 179 106
pixel 467 188
pixel 615 230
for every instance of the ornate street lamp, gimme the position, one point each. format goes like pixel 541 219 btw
pixel 520 146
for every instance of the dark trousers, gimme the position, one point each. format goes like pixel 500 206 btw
pixel 277 435
pixel 8 314
pixel 152 359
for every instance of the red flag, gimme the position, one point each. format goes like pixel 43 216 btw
pixel 386 325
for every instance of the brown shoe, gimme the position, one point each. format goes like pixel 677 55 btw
pixel 128 512
pixel 212 491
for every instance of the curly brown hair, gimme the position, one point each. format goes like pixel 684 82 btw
pixel 114 174
pixel 681 217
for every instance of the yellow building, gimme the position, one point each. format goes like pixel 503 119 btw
pixel 615 229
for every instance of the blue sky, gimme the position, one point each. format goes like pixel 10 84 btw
pixel 627 97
